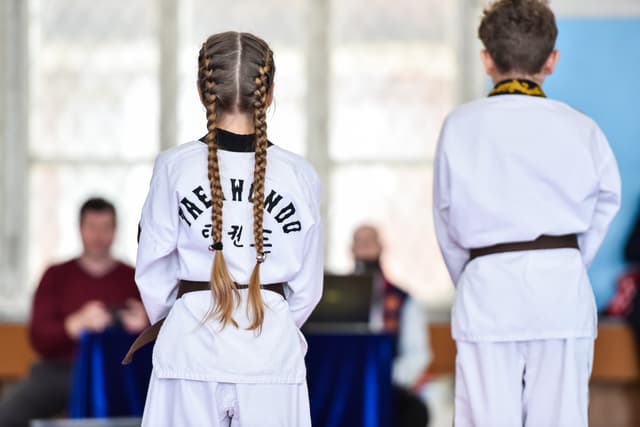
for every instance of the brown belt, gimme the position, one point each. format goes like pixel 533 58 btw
pixel 569 241
pixel 185 286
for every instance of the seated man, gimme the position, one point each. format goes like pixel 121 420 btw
pixel 84 294
pixel 393 311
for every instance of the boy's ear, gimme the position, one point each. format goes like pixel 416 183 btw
pixel 551 62
pixel 487 61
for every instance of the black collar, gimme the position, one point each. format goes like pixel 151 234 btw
pixel 517 87
pixel 229 141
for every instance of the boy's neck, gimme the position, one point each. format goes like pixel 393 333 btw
pixel 500 77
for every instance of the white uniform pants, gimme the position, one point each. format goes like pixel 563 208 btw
pixel 186 403
pixel 543 383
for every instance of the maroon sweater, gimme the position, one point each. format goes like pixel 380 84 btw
pixel 64 289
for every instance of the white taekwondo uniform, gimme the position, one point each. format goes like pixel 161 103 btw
pixel 202 373
pixel 510 168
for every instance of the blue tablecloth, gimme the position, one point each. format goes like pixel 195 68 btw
pixel 101 386
pixel 349 377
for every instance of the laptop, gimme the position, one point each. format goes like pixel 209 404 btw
pixel 345 304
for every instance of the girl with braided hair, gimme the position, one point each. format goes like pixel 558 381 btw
pixel 230 257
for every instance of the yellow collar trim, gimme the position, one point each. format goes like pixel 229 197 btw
pixel 517 87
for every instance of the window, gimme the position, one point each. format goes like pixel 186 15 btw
pixel 94 117
pixel 112 82
pixel 393 80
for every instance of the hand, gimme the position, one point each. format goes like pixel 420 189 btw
pixel 92 316
pixel 134 317
pixel 392 303
pixel 424 378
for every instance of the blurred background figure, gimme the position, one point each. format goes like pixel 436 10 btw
pixel 395 312
pixel 85 294
pixel 387 299
pixel 625 302
pixel 629 284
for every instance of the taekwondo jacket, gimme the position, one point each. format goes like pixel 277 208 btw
pixel 175 234
pixel 510 168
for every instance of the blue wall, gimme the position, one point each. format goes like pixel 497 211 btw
pixel 599 74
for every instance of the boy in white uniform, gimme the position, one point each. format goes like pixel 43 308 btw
pixel 524 190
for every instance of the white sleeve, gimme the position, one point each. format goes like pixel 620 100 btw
pixel 414 350
pixel 305 290
pixel 608 202
pixel 157 260
pixel 455 256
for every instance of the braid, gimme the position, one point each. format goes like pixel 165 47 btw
pixel 213 168
pixel 260 123
pixel 225 294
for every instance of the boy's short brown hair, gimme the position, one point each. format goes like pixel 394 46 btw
pixel 518 34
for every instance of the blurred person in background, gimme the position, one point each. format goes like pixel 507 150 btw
pixel 84 294
pixel 625 302
pixel 395 312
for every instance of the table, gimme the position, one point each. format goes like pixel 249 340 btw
pixel 85 422
pixel 349 378
pixel 103 387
